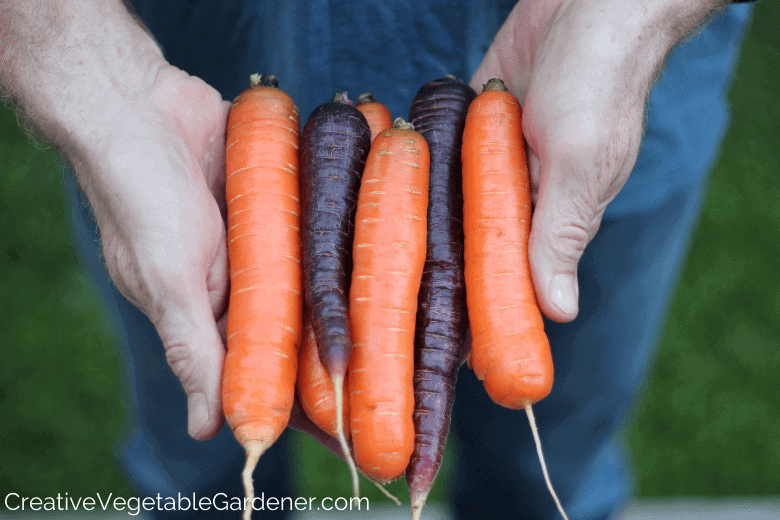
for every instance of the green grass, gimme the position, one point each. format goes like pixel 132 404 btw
pixel 709 421
pixel 708 424
pixel 59 393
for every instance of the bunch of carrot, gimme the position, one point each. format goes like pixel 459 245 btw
pixel 394 240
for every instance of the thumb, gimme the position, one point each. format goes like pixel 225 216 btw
pixel 195 353
pixel 563 223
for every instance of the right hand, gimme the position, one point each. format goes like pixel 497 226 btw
pixel 582 70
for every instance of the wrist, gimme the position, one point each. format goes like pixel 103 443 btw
pixel 628 40
pixel 74 67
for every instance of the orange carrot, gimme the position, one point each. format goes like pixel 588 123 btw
pixel 318 397
pixel 377 114
pixel 388 258
pixel 510 351
pixel 264 250
pixel 315 388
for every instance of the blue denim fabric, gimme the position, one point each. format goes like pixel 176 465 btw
pixel 687 115
pixel 601 361
pixel 318 47
pixel 626 276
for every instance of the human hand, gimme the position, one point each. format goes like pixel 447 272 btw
pixel 582 70
pixel 157 191
pixel 146 142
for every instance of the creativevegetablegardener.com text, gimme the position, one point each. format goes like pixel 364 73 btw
pixel 219 502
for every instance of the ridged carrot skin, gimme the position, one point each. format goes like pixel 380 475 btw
pixel 388 258
pixel 510 351
pixel 377 114
pixel 438 113
pixel 334 147
pixel 264 250
pixel 315 389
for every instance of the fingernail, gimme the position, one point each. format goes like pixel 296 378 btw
pixel 563 293
pixel 197 414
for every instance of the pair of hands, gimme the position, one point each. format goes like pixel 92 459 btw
pixel 581 72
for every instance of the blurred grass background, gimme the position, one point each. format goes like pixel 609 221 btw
pixel 708 424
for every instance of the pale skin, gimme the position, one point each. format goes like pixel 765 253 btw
pixel 146 142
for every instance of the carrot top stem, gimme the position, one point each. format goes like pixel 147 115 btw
pixel 532 421
pixel 263 80
pixel 365 97
pixel 341 97
pixel 400 123
pixel 495 84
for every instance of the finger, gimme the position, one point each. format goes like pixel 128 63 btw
pixel 195 352
pixel 555 248
pixel 489 68
pixel 510 55
pixel 578 162
pixel 534 174
pixel 222 326
pixel 218 280
pixel 566 217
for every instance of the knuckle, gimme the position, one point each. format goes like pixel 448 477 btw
pixel 583 141
pixel 602 146
pixel 570 235
pixel 144 279
pixel 182 363
pixel 124 272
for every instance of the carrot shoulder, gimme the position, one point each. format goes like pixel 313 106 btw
pixel 388 257
pixel 264 250
pixel 510 351
pixel 377 114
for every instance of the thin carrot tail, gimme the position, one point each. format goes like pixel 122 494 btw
pixel 254 449
pixel 383 490
pixel 532 421
pixel 338 387
pixel 418 502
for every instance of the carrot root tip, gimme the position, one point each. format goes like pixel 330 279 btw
pixel 383 490
pixel 418 502
pixel 532 421
pixel 338 387
pixel 254 449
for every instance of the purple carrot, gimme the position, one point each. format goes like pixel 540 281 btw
pixel 334 147
pixel 438 113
